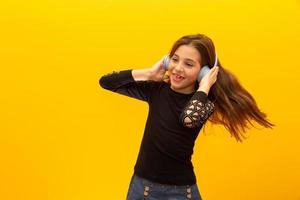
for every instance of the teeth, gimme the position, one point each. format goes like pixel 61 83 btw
pixel 178 77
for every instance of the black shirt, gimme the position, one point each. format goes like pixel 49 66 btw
pixel 167 145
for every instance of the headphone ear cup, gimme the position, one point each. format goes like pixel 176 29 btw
pixel 166 62
pixel 204 70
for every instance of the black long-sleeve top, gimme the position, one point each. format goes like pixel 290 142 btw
pixel 167 144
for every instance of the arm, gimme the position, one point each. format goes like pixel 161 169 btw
pixel 141 74
pixel 197 110
pixel 132 83
pixel 138 83
pixel 115 79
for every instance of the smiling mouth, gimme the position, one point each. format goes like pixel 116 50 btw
pixel 177 77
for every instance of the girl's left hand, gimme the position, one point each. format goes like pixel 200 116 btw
pixel 209 79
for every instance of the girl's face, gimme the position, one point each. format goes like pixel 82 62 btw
pixel 184 68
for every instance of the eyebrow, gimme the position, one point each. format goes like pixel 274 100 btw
pixel 186 58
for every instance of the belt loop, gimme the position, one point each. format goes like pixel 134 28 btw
pixel 189 192
pixel 146 191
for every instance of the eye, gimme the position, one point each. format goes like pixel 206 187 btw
pixel 189 64
pixel 174 59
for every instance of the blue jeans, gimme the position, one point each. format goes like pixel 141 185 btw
pixel 143 189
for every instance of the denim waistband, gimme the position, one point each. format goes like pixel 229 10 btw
pixel 159 185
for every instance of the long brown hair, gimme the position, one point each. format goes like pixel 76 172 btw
pixel 234 105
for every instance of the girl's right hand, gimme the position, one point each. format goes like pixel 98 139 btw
pixel 157 71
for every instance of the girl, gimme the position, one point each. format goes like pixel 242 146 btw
pixel 179 106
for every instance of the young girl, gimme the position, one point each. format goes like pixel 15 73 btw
pixel 179 106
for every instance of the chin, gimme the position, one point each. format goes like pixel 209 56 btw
pixel 185 86
pixel 178 87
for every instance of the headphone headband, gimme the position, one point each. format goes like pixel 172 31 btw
pixel 216 60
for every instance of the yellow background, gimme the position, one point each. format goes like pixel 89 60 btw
pixel 64 137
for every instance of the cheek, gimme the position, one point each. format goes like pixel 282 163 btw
pixel 192 73
pixel 171 67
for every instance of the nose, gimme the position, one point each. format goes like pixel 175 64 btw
pixel 178 67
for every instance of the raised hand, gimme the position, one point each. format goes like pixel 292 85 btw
pixel 208 80
pixel 157 71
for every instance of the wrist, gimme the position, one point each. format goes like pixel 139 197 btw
pixel 150 74
pixel 141 74
pixel 204 89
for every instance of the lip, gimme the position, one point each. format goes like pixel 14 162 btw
pixel 177 75
pixel 176 80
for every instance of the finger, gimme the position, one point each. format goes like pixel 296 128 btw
pixel 216 68
pixel 214 73
pixel 213 70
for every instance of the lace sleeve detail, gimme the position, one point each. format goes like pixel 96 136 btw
pixel 196 113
